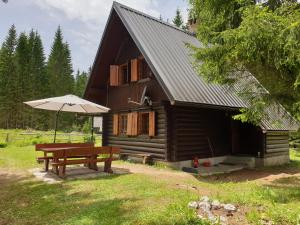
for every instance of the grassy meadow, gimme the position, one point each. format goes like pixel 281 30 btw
pixel 141 198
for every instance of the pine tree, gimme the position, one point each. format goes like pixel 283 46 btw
pixel 23 80
pixel 59 67
pixel 178 21
pixel 59 71
pixel 8 75
pixel 40 87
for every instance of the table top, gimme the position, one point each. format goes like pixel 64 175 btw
pixel 55 149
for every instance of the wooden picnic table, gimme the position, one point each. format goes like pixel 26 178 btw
pixel 54 147
pixel 60 151
pixel 70 155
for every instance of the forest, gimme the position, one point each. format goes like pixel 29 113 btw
pixel 27 74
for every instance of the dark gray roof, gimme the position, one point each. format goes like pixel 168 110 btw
pixel 164 48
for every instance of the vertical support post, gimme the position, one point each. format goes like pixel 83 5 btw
pixel 92 129
pixel 57 114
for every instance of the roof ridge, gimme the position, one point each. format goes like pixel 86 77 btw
pixel 115 3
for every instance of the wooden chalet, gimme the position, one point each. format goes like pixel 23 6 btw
pixel 161 107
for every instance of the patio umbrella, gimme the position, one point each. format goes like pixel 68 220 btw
pixel 67 103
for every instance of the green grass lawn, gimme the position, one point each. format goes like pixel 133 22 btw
pixel 138 198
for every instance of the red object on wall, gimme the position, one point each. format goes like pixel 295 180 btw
pixel 206 164
pixel 196 162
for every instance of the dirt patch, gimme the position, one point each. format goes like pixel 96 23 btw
pixel 7 177
pixel 263 176
pixel 153 171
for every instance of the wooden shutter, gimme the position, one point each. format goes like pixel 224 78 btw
pixel 134 124
pixel 129 124
pixel 116 124
pixel 114 75
pixel 151 123
pixel 134 70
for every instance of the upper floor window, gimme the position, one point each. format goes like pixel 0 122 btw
pixel 136 69
pixel 124 73
pixel 144 69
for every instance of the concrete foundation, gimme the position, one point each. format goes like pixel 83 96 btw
pixel 245 161
pixel 272 161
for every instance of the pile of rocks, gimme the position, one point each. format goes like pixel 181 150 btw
pixel 213 210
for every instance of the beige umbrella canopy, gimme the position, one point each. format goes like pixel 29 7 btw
pixel 67 103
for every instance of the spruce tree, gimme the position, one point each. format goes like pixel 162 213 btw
pixel 40 79
pixel 22 82
pixel 8 74
pixel 59 71
pixel 59 67
pixel 178 21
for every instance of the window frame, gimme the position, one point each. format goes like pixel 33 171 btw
pixel 125 79
pixel 140 124
pixel 145 71
pixel 123 120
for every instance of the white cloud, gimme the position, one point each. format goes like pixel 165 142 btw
pixel 83 21
pixel 94 11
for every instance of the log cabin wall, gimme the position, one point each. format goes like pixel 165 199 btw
pixel 156 146
pixel 197 132
pixel 117 99
pixel 276 143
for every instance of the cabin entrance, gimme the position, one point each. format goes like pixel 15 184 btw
pixel 245 139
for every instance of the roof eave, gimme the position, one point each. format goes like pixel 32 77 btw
pixel 98 53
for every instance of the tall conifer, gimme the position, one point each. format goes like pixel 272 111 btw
pixel 23 81
pixel 59 70
pixel 8 74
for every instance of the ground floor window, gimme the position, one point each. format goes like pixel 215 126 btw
pixel 134 123
pixel 144 123
pixel 122 124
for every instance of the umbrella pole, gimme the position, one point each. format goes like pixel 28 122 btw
pixel 92 129
pixel 57 114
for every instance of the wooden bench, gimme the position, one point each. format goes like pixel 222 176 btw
pixel 84 155
pixel 46 159
pixel 146 158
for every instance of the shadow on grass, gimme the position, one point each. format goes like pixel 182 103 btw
pixel 278 184
pixel 253 174
pixel 27 201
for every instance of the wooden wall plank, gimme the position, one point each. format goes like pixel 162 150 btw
pixel 134 70
pixel 115 124
pixel 114 75
pixel 134 124
pixel 129 124
pixel 152 124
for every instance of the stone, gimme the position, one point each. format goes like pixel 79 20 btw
pixel 205 206
pixel 223 219
pixel 211 217
pixel 200 216
pixel 229 207
pixel 204 199
pixel 193 205
pixel 216 204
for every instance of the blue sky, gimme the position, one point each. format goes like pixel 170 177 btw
pixel 82 21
